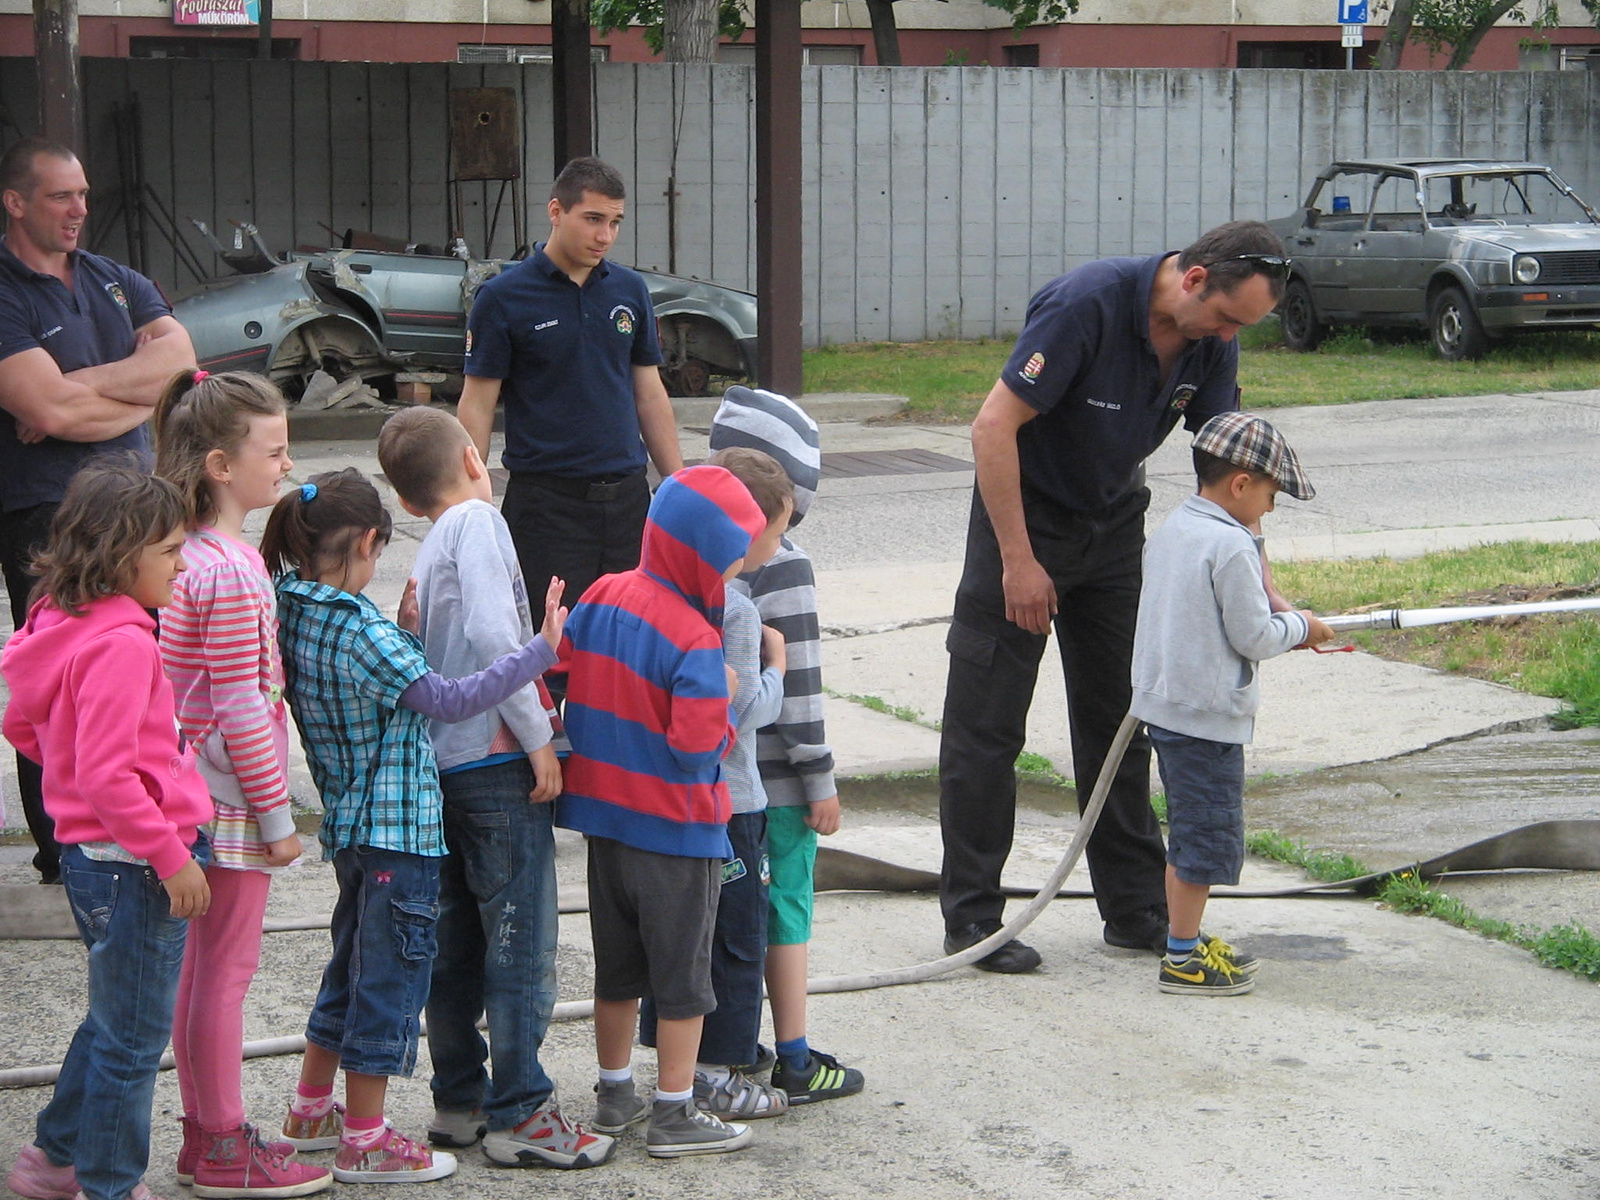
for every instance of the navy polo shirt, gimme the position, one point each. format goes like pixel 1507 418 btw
pixel 1085 361
pixel 92 323
pixel 566 355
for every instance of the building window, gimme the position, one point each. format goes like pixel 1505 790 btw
pixel 1025 55
pixel 1301 56
pixel 478 52
pixel 209 47
pixel 743 54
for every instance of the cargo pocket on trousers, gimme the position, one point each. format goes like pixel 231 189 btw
pixel 969 645
pixel 415 929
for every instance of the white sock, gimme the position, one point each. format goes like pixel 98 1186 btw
pixel 674 1097
pixel 619 1075
pixel 712 1073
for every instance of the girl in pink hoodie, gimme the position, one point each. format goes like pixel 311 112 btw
pixel 89 700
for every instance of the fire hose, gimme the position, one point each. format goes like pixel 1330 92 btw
pixel 1564 845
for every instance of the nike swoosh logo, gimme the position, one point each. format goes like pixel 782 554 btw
pixel 1197 977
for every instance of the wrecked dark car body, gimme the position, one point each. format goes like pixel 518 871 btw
pixel 378 313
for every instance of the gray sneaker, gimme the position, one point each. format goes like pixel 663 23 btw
pixel 678 1129
pixel 616 1106
pixel 738 1096
pixel 456 1128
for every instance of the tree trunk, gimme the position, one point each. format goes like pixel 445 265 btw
pixel 1461 54
pixel 689 31
pixel 1395 35
pixel 885 34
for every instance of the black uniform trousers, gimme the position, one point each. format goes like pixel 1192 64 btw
pixel 22 532
pixel 1095 563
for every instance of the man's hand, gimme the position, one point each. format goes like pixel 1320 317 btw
pixel 409 615
pixel 546 774
pixel 28 435
pixel 1030 595
pixel 774 652
pixel 283 851
pixel 190 893
pixel 824 816
pixel 1319 631
pixel 555 614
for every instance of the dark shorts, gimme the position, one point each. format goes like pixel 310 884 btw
pixel 1205 806
pixel 652 917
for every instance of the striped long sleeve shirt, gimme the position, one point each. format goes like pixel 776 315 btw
pixel 220 647
pixel 793 754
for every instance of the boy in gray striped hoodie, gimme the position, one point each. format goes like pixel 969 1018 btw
pixel 793 756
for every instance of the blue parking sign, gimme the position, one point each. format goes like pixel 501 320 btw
pixel 1352 12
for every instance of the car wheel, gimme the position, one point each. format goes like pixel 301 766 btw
pixel 1298 318
pixel 1457 332
pixel 693 378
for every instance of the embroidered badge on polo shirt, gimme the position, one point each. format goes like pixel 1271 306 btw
pixel 1181 395
pixel 117 294
pixel 1032 369
pixel 623 316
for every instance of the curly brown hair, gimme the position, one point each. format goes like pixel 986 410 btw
pixel 112 511
pixel 199 413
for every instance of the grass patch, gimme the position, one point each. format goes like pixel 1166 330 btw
pixel 1322 865
pixel 947 380
pixel 1563 947
pixel 878 704
pixel 1556 655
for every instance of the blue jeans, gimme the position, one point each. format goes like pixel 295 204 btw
pixel 497 945
pixel 376 983
pixel 99 1118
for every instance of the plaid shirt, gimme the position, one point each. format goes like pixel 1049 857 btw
pixel 344 667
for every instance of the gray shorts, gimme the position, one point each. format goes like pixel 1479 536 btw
pixel 1205 805
pixel 652 917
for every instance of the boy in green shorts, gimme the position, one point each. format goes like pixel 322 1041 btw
pixel 792 754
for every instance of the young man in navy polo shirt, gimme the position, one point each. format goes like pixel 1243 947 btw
pixel 86 347
pixel 568 340
pixel 1113 354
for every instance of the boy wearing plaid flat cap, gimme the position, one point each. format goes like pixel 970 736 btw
pixel 1204 623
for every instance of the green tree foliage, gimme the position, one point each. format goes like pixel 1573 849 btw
pixel 1458 27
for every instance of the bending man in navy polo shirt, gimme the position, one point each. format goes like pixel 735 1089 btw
pixel 86 347
pixel 569 341
pixel 1113 354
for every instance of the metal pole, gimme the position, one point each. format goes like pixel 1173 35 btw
pixel 55 43
pixel 570 71
pixel 779 285
pixel 264 17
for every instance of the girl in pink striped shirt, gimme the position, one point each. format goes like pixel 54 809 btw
pixel 224 441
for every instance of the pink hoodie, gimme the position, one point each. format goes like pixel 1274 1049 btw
pixel 90 700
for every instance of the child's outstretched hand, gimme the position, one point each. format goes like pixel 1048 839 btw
pixel 546 774
pixel 283 851
pixel 555 615
pixel 409 614
pixel 1319 632
pixel 189 891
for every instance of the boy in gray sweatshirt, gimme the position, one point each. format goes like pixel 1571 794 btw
pixel 499 772
pixel 1204 622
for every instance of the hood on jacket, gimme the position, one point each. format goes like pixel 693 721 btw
pixel 701 522
pixel 38 654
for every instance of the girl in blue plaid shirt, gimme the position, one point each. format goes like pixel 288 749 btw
pixel 361 693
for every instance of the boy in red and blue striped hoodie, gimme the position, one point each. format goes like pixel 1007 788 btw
pixel 647 714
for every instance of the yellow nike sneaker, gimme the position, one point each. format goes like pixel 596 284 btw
pixel 1246 964
pixel 1204 973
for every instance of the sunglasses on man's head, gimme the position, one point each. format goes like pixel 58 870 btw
pixel 1273 265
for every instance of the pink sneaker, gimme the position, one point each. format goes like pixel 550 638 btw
pixel 195 1143
pixel 394 1159
pixel 239 1164
pixel 37 1178
pixel 314 1133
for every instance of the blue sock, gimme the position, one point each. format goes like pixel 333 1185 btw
pixel 795 1055
pixel 1179 949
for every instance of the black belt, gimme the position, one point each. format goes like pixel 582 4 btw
pixel 597 489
